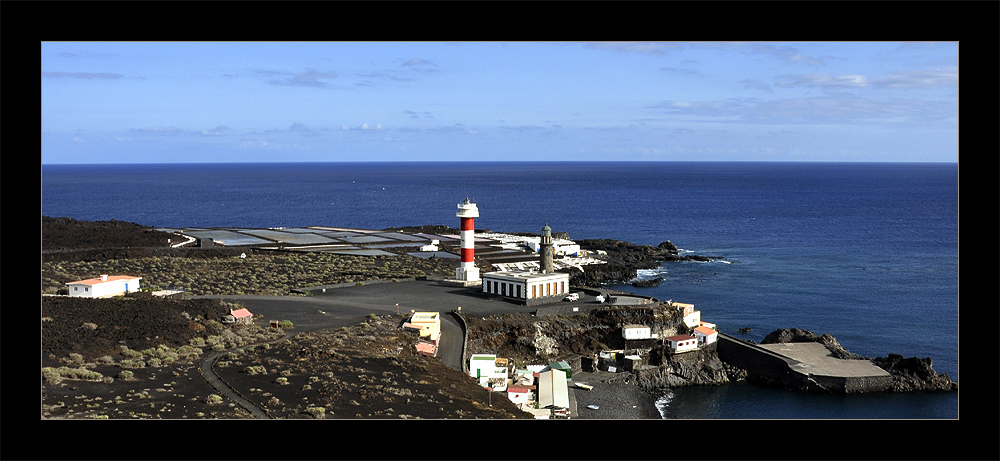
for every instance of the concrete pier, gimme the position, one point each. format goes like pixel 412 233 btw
pixel 808 366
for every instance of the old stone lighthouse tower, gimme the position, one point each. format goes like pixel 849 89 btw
pixel 545 249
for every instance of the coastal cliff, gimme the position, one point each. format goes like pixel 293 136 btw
pixel 580 339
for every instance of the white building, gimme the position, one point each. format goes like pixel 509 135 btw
pixel 520 395
pixel 635 332
pixel 527 286
pixel 692 318
pixel 705 335
pixel 682 343
pixel 552 389
pixel 105 285
pixel 559 246
pixel 487 371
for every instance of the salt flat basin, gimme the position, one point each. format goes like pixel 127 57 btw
pixel 816 359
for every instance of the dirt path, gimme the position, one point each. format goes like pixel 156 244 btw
pixel 216 381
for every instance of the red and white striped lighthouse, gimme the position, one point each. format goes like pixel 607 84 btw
pixel 468 271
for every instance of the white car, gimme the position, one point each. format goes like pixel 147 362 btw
pixel 572 297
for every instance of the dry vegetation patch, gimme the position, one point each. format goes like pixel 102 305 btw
pixel 367 371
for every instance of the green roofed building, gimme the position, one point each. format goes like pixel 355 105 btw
pixel 562 365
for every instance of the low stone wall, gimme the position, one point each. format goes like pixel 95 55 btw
pixel 852 384
pixel 465 339
pixel 759 363
pixel 323 288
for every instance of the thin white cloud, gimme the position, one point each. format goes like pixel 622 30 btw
pixel 652 48
pixel 826 82
pixel 816 110
pixel 417 62
pixel 309 78
pixel 83 75
pixel 363 127
pixel 679 71
pixel 170 130
pixel 785 53
pixel 756 84
pixel 217 131
pixel 919 79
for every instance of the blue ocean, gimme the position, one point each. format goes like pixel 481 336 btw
pixel 867 252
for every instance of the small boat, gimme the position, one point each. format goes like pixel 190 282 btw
pixel 593 407
pixel 584 386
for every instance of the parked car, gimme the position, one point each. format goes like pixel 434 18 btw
pixel 572 297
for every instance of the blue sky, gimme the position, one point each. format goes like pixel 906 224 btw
pixel 165 102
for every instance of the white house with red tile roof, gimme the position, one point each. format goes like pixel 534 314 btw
pixel 105 285
pixel 519 394
pixel 681 343
pixel 705 335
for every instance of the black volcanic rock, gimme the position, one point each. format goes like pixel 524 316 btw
pixel 648 283
pixel 625 258
pixel 69 233
pixel 914 374
pixel 798 335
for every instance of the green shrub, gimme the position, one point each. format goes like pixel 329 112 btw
pixel 188 352
pixel 51 376
pixel 316 412
pixel 55 375
pixel 126 374
pixel 213 399
pixel 75 359
pixel 282 380
pixel 255 370
pixel 132 363
pixel 130 353
pixel 285 324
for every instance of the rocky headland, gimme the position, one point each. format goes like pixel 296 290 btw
pixel 625 258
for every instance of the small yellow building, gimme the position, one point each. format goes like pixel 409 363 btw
pixel 427 323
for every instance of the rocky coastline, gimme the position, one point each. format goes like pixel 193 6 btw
pixel 624 259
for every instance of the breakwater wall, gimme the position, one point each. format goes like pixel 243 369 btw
pixel 776 369
pixel 760 364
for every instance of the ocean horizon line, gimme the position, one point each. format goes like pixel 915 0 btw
pixel 519 162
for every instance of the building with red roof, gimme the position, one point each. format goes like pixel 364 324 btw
pixel 103 286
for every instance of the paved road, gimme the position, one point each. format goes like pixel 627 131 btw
pixel 347 306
